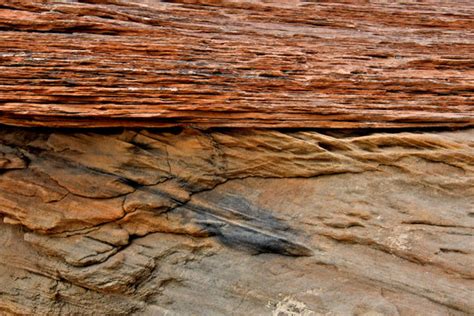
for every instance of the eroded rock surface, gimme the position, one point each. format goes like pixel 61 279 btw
pixel 236 222
pixel 237 63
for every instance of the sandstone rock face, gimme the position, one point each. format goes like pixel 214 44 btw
pixel 245 63
pixel 362 204
pixel 236 222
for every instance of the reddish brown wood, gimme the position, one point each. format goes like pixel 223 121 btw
pixel 236 63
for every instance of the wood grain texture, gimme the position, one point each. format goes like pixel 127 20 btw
pixel 238 63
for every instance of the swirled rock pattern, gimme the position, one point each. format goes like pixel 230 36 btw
pixel 236 222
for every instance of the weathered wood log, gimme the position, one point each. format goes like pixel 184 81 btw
pixel 236 63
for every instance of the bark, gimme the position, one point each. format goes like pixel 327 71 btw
pixel 236 63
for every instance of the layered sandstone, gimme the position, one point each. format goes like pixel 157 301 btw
pixel 208 63
pixel 236 222
pixel 142 171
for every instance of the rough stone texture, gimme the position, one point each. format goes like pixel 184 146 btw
pixel 208 63
pixel 367 208
pixel 236 222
